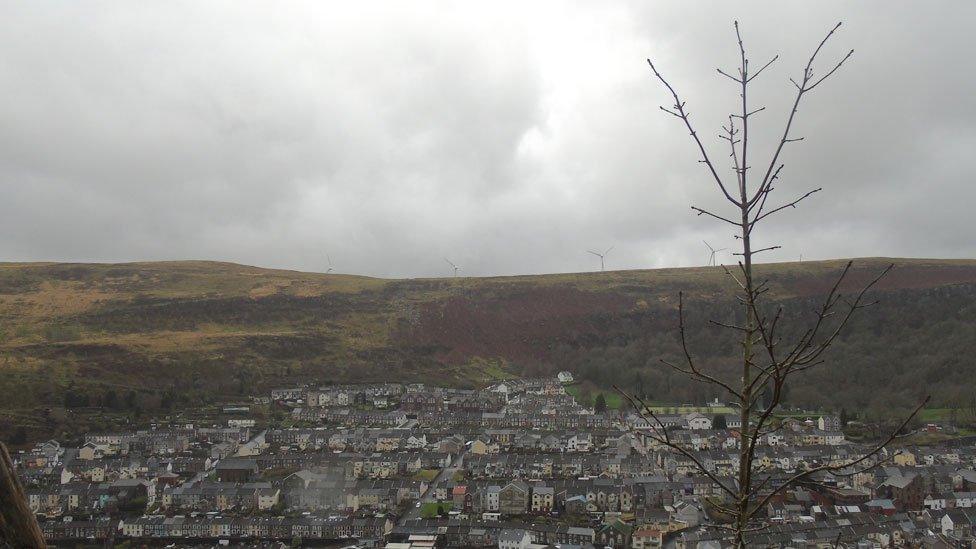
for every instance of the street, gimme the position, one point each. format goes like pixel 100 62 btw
pixel 428 497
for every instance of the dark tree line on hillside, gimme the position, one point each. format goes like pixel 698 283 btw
pixel 911 340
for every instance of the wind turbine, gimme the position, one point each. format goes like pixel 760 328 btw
pixel 455 267
pixel 330 269
pixel 711 256
pixel 601 256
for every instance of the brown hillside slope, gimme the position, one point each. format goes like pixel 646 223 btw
pixel 220 329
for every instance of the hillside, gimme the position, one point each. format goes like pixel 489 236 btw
pixel 182 332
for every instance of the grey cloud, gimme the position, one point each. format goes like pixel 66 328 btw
pixel 508 138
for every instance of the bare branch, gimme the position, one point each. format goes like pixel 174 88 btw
pixel 729 326
pixel 734 79
pixel 832 71
pixel 706 212
pixel 853 463
pixel 744 70
pixel 669 111
pixel 801 89
pixel 734 154
pixel 748 114
pixel 732 275
pixel 680 108
pixel 811 354
pixel 692 369
pixel 643 411
pixel 754 252
pixel 784 206
pixel 771 61
pixel 764 191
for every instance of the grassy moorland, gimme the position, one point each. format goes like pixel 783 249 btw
pixel 149 336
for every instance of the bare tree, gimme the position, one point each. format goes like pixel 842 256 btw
pixel 770 359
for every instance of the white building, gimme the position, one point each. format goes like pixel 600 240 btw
pixel 491 498
pixel 697 421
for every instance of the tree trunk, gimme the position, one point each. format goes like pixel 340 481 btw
pixel 18 527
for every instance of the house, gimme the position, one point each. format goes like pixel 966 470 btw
pixel 236 470
pixel 646 538
pixel 512 538
pixel 564 377
pixel 935 502
pixel 491 498
pixel 416 441
pixel 829 423
pixel 503 389
pixel 615 534
pixel 581 442
pixel 885 507
pixel 907 491
pixel 90 451
pixel 450 445
pixel 481 446
pixel 576 505
pixel 223 449
pixel 958 524
pixel 905 458
pixel 287 394
pixel 964 479
pixel 133 528
pixel 543 498
pixel 267 498
pixel 459 496
pixel 513 498
pixel 964 500
pixel 698 422
pixel 422 402
pixel 834 438
pixel 814 438
pixel 686 513
pixel 774 439
pixel 733 421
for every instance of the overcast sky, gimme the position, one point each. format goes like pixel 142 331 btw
pixel 509 137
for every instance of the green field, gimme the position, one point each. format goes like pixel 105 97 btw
pixel 704 410
pixel 432 509
pixel 614 401
pixel 612 397
pixel 427 475
pixel 963 415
